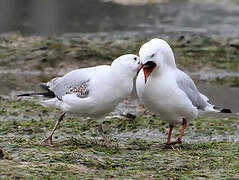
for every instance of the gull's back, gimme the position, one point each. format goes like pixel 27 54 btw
pixel 74 84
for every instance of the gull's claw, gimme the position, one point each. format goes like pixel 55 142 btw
pixel 47 141
pixel 178 141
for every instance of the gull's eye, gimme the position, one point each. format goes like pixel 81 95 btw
pixel 152 55
pixel 135 59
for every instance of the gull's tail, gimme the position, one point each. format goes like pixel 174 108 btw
pixel 222 110
pixel 216 109
pixel 213 108
pixel 48 94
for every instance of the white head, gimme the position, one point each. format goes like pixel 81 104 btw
pixel 126 65
pixel 156 55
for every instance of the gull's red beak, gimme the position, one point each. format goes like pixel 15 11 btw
pixel 148 69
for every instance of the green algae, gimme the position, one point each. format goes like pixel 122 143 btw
pixel 79 152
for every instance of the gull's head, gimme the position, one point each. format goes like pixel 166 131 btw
pixel 156 55
pixel 127 64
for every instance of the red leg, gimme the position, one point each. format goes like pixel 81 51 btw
pixel 184 125
pixel 179 140
pixel 170 133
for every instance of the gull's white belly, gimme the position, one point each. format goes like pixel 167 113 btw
pixel 163 98
pixel 89 106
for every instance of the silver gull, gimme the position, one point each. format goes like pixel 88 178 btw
pixel 91 92
pixel 168 91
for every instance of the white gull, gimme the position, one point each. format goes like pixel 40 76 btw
pixel 168 91
pixel 91 92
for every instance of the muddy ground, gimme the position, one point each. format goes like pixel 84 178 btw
pixel 210 148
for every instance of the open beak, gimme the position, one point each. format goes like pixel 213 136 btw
pixel 148 68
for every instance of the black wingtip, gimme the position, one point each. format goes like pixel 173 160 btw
pixel 44 86
pixel 226 110
pixel 222 110
pixel 29 94
pixel 45 94
pixel 20 95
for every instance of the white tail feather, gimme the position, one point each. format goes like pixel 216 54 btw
pixel 54 102
pixel 210 108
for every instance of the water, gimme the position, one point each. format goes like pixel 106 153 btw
pixel 17 82
pixel 211 17
pixel 223 96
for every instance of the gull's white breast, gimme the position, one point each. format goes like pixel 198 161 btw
pixel 162 96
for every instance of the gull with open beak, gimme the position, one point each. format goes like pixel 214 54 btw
pixel 168 91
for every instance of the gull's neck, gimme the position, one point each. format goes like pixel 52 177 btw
pixel 121 83
pixel 170 59
pixel 121 75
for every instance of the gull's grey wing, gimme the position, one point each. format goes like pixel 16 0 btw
pixel 81 90
pixel 76 81
pixel 59 90
pixel 71 82
pixel 186 84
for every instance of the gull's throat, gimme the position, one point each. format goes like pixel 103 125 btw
pixel 148 69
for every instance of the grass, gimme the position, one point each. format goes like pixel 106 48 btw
pixel 79 152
